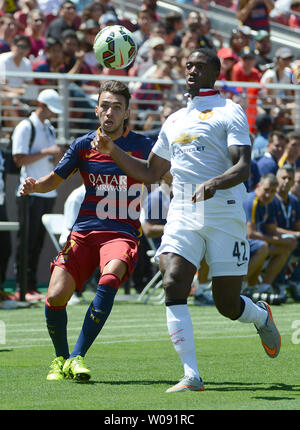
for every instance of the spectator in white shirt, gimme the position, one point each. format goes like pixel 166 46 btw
pixel 34 150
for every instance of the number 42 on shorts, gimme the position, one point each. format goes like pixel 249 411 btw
pixel 240 251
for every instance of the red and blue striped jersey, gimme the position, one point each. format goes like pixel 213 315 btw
pixel 112 198
pixel 258 18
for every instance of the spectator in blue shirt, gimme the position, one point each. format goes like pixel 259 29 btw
pixel 264 127
pixel 254 177
pixel 263 232
pixel 287 215
pixel 295 190
pixel 269 162
pixel 292 151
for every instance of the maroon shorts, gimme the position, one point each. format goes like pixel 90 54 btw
pixel 84 251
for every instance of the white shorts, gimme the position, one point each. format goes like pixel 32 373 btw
pixel 223 243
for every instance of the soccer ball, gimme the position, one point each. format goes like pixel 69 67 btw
pixel 115 47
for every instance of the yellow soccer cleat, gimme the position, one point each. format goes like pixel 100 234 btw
pixel 76 369
pixel 56 370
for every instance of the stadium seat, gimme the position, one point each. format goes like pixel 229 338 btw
pixel 54 224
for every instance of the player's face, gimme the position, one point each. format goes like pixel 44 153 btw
pixel 285 181
pixel 296 187
pixel 199 73
pixel 112 113
pixel 294 148
pixel 276 147
pixel 266 192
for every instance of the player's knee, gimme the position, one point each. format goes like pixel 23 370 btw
pixel 175 287
pixel 229 308
pixel 264 250
pixel 231 312
pixel 56 299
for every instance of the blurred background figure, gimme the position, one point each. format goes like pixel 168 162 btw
pixel 35 30
pixel 255 13
pixel 8 30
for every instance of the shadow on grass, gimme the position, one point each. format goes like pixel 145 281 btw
pixel 251 386
pixel 128 382
pixel 219 386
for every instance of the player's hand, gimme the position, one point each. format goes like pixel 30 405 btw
pixel 79 55
pixel 102 143
pixel 28 187
pixel 204 191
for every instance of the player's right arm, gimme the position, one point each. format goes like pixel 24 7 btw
pixel 147 171
pixel 42 185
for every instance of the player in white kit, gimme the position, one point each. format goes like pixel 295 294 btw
pixel 206 146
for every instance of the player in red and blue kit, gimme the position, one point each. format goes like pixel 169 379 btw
pixel 105 234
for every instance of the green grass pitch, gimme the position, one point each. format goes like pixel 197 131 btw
pixel 133 363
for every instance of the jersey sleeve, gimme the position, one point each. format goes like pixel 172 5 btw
pixel 21 138
pixel 69 162
pixel 147 147
pixel 237 127
pixel 162 147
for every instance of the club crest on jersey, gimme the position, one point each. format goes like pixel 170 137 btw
pixel 206 115
pixel 185 138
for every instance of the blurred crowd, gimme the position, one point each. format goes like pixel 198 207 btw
pixel 57 36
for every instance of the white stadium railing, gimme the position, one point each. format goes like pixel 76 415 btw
pixel 78 116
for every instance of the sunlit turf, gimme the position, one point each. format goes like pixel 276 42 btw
pixel 133 363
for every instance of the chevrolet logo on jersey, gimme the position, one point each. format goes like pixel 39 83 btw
pixel 205 115
pixel 185 138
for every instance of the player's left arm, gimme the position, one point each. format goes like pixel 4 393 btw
pixel 240 156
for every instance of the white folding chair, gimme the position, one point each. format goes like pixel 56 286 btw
pixel 55 225
pixel 153 291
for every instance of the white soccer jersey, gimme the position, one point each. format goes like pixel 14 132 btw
pixel 196 140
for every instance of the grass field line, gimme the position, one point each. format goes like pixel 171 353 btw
pixel 134 340
pixel 234 327
pixel 226 325
pixel 204 319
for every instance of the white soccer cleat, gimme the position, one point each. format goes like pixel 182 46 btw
pixel 187 384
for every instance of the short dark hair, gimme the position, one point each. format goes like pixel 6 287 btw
pixel 211 55
pixel 270 177
pixel 293 135
pixel 20 37
pixel 50 41
pixel 287 168
pixel 174 16
pixel 69 33
pixel 66 2
pixel 115 87
pixel 277 133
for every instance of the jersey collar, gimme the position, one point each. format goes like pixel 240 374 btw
pixel 125 133
pixel 204 93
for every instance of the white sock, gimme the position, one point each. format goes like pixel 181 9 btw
pixel 253 313
pixel 180 329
